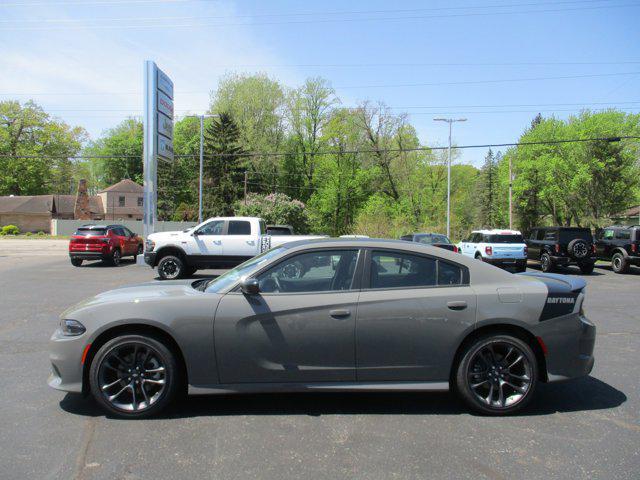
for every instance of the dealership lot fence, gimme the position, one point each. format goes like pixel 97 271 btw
pixel 68 227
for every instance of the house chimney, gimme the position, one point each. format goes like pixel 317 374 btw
pixel 81 210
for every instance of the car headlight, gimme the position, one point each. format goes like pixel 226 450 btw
pixel 71 328
pixel 150 245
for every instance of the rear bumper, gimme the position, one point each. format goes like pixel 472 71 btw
pixel 558 260
pixel 570 341
pixel 89 255
pixel 506 262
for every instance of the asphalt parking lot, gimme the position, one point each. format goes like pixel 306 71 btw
pixel 587 428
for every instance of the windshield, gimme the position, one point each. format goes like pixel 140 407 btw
pixel 505 239
pixel 232 276
pixel 430 238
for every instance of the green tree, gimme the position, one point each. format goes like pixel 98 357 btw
pixel 36 151
pixel 223 166
pixel 275 209
pixel 488 192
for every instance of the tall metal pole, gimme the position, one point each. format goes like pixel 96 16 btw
pixel 450 122
pixel 449 184
pixel 201 160
pixel 510 194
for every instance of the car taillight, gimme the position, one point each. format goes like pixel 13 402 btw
pixel 634 247
pixel 488 250
pixel 593 248
pixel 455 249
pixel 557 248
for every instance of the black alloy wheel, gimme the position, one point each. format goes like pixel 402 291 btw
pixel 134 376
pixel 171 268
pixel 497 375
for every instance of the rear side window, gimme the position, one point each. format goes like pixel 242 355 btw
pixel 238 227
pixel 608 234
pixel 623 235
pixel 551 235
pixel 86 232
pixel 402 270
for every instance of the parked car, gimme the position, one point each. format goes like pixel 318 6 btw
pixel 435 239
pixel 619 245
pixel 562 246
pixel 502 248
pixel 370 315
pixel 279 230
pixel 108 243
pixel 220 242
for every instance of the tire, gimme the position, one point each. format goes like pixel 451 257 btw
pixel 171 268
pixel 115 258
pixel 125 391
pixel 619 263
pixel 497 391
pixel 139 251
pixel 479 257
pixel 521 268
pixel 76 262
pixel 578 248
pixel 587 268
pixel 546 264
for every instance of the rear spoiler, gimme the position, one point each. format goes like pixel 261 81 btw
pixel 573 284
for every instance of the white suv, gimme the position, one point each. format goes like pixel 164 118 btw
pixel 503 248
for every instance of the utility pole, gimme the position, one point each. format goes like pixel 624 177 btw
pixel 201 117
pixel 450 121
pixel 510 196
pixel 245 187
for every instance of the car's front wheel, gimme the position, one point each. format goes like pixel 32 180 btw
pixel 76 262
pixel 171 268
pixel 497 374
pixel 546 264
pixel 134 376
pixel 619 264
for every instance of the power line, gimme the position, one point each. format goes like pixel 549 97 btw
pixel 319 21
pixel 344 152
pixel 89 3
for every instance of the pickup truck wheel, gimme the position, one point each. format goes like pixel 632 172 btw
pixel 546 264
pixel 619 264
pixel 76 262
pixel 170 268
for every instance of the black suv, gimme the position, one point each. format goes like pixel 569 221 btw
pixel 562 246
pixel 620 245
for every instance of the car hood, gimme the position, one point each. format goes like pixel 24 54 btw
pixel 138 293
pixel 166 235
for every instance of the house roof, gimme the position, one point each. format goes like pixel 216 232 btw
pixel 65 204
pixel 124 186
pixel 631 212
pixel 26 204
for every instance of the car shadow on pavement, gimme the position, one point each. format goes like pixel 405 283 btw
pixel 568 270
pixel 633 270
pixel 582 394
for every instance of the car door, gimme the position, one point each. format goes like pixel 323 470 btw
pixel 412 312
pixel 299 328
pixel 533 248
pixel 239 240
pixel 208 239
pixel 131 241
pixel 603 243
pixel 121 240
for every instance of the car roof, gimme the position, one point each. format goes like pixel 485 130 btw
pixel 91 226
pixel 498 231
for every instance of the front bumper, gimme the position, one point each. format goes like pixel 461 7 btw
pixel 570 341
pixel 65 355
pixel 150 258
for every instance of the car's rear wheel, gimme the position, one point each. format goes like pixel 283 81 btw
pixel 619 264
pixel 134 376
pixel 171 268
pixel 76 262
pixel 546 264
pixel 115 258
pixel 586 268
pixel 497 375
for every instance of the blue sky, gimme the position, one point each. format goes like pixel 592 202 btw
pixel 82 60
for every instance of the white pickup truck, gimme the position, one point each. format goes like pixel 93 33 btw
pixel 220 242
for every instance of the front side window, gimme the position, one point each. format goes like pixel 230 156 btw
pixel 239 227
pixel 215 227
pixel 319 271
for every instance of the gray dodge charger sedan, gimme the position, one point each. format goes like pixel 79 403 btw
pixel 329 315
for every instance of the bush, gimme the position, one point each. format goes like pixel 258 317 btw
pixel 275 209
pixel 10 230
pixel 28 234
pixel 41 234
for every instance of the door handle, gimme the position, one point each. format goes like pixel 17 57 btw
pixel 217 242
pixel 460 305
pixel 339 313
pixel 250 242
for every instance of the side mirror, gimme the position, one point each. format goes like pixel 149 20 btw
pixel 250 286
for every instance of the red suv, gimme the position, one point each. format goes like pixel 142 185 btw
pixel 108 243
